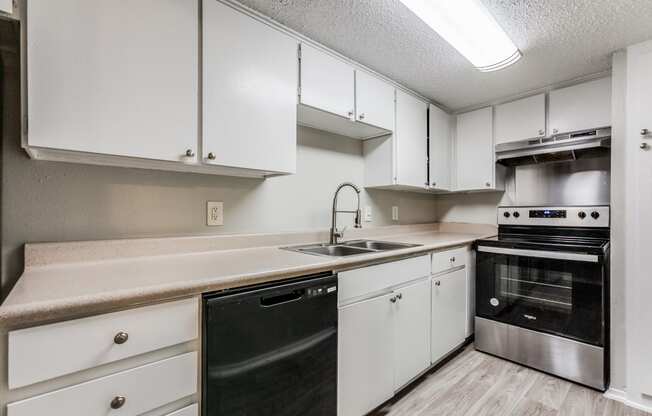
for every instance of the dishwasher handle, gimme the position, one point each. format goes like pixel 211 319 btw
pixel 281 298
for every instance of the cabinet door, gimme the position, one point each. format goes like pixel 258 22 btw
pixel 105 79
pixel 470 292
pixel 7 6
pixel 411 140
pixel 250 84
pixel 580 107
pixel 449 297
pixel 474 156
pixel 521 120
pixel 411 332
pixel 365 363
pixel 440 151
pixel 326 82
pixel 374 101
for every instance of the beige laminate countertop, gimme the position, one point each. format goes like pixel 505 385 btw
pixel 58 291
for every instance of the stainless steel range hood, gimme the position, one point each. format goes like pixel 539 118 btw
pixel 573 146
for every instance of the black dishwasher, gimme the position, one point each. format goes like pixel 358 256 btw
pixel 272 349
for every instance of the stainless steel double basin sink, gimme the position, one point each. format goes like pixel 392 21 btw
pixel 349 248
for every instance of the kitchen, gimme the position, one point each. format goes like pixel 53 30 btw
pixel 332 208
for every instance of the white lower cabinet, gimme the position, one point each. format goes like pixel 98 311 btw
pixel 127 393
pixel 366 348
pixel 411 331
pixel 449 313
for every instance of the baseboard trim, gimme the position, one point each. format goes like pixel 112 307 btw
pixel 621 396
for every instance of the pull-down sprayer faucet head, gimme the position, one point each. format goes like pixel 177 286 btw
pixel 335 234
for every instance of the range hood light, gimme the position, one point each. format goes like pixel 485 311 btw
pixel 469 27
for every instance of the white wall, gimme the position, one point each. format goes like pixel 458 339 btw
pixel 618 331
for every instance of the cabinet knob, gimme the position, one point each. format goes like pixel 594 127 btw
pixel 437 283
pixel 350 114
pixel 361 116
pixel 555 130
pixel 452 259
pixel 392 299
pixel 399 296
pixel 118 402
pixel 488 184
pixel 434 184
pixel 190 153
pixel 211 156
pixel 645 132
pixel 121 337
pixel 644 146
pixel 541 132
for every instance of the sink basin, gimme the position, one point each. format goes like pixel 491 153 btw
pixel 377 245
pixel 333 250
pixel 349 248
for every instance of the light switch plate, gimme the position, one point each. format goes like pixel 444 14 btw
pixel 214 213
pixel 394 213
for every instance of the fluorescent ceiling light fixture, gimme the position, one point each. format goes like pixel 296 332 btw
pixel 469 27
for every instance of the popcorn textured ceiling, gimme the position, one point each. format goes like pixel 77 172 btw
pixel 560 40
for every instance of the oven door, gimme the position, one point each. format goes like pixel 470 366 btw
pixel 551 291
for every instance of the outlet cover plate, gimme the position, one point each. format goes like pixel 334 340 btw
pixel 367 214
pixel 214 213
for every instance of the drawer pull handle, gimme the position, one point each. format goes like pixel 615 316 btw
pixel 121 337
pixel 118 402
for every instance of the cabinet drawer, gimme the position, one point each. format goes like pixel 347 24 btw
pixel 367 280
pixel 44 352
pixel 192 410
pixel 143 388
pixel 445 260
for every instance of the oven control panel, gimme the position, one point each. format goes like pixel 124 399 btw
pixel 571 216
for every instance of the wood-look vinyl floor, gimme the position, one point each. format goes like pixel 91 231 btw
pixel 478 384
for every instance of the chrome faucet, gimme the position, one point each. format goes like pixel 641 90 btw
pixel 335 234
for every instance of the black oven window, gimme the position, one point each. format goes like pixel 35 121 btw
pixel 548 288
pixel 561 297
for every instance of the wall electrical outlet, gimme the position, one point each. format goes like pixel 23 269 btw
pixel 394 213
pixel 214 213
pixel 367 214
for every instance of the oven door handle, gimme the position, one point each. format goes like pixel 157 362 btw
pixel 556 255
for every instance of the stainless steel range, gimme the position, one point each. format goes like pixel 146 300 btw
pixel 542 291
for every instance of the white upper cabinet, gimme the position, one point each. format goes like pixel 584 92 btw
pixel 327 83
pixel 112 82
pixel 374 101
pixel 521 120
pixel 250 85
pixel 474 151
pixel 329 93
pixel 411 140
pixel 440 149
pixel 580 107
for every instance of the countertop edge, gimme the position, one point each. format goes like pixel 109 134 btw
pixel 39 313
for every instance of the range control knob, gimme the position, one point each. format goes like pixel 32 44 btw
pixel 506 214
pixel 595 215
pixel 581 214
pixel 517 214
